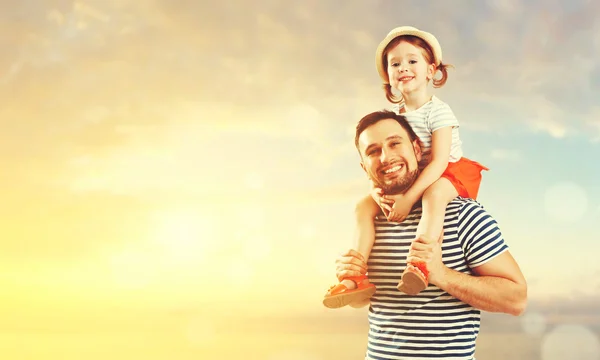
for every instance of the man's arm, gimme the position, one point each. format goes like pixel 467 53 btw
pixel 498 286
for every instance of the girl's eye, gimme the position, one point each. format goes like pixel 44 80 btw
pixel 395 64
pixel 412 62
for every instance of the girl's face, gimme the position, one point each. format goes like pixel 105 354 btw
pixel 408 70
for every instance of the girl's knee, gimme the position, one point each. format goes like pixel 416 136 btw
pixel 440 191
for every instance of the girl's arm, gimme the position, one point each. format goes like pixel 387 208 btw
pixel 441 141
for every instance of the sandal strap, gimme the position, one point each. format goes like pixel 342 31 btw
pixel 356 279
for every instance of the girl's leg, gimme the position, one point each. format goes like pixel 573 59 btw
pixel 435 200
pixel 365 212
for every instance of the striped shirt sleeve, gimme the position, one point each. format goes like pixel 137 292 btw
pixel 441 116
pixel 479 234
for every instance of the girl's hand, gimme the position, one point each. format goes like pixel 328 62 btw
pixel 401 207
pixel 384 203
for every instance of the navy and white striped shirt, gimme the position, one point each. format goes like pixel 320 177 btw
pixel 432 324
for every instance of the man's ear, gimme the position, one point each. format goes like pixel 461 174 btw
pixel 417 149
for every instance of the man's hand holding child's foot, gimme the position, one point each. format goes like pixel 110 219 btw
pixel 354 285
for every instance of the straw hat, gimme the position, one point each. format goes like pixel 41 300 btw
pixel 406 30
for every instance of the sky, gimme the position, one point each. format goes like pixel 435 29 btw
pixel 198 156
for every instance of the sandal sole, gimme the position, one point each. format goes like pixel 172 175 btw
pixel 412 283
pixel 341 300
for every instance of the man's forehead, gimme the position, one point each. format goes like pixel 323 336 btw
pixel 382 131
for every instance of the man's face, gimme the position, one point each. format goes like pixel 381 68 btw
pixel 388 156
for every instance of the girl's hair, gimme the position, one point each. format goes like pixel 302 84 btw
pixel 427 54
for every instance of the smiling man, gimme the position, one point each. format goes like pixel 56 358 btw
pixel 470 269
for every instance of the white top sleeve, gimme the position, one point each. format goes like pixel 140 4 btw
pixel 441 116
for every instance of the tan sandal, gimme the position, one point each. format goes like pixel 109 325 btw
pixel 414 278
pixel 339 295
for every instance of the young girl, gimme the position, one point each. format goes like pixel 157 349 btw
pixel 407 60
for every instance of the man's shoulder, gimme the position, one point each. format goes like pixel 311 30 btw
pixel 468 214
pixel 461 206
pixel 461 202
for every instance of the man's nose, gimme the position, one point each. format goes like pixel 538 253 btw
pixel 384 156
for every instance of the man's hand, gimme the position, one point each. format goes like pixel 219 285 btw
pixel 350 263
pixel 401 207
pixel 428 251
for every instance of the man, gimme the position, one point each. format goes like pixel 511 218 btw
pixel 470 269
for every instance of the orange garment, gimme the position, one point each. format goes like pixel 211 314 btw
pixel 465 175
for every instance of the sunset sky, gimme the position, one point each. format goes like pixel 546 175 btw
pixel 169 155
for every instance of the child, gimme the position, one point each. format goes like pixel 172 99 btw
pixel 407 60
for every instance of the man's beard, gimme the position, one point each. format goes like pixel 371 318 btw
pixel 399 185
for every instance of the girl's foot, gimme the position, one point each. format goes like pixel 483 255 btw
pixel 414 279
pixel 340 295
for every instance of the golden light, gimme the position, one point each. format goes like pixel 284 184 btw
pixel 133 269
pixel 185 236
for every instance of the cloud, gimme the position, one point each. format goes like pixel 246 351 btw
pixel 138 99
pixel 566 195
pixel 507 8
pixel 102 72
pixel 506 154
pixel 131 56
pixel 61 72
pixel 297 73
pixel 592 121
pixel 514 64
pixel 86 10
pixel 13 71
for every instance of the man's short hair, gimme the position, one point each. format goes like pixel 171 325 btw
pixel 376 117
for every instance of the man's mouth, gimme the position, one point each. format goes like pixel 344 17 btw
pixel 393 169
